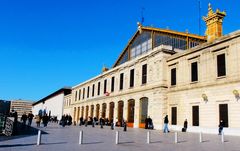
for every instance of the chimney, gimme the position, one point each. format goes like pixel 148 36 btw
pixel 214 23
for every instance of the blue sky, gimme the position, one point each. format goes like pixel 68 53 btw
pixel 49 44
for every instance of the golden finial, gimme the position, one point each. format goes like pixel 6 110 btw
pixel 104 69
pixel 209 7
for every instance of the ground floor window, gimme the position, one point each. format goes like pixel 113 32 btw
pixel 223 114
pixel 195 115
pixel 174 116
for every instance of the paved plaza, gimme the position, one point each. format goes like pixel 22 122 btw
pixel 58 138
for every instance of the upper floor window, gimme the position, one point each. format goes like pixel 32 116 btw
pixel 105 86
pixel 194 71
pixel 93 88
pixel 173 76
pixel 131 77
pixel 88 88
pixel 79 94
pixel 144 74
pixel 83 95
pixel 112 84
pixel 76 96
pixel 221 65
pixel 121 81
pixel 99 86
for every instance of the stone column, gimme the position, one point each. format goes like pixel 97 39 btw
pixel 125 109
pixel 115 115
pixel 136 113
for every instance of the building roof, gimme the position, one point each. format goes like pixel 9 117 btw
pixel 159 30
pixel 64 90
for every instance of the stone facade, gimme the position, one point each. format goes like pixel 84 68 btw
pixel 208 92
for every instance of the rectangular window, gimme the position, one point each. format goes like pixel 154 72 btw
pixel 221 65
pixel 173 76
pixel 195 115
pixel 194 71
pixel 79 95
pixel 131 78
pixel 105 86
pixel 174 115
pixel 144 74
pixel 76 96
pixel 88 89
pixel 223 114
pixel 121 81
pixel 93 88
pixel 112 84
pixel 83 95
pixel 99 86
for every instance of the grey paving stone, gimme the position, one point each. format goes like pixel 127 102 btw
pixel 97 139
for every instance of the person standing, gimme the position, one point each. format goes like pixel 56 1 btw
pixel 185 125
pixel 30 117
pixel 38 120
pixel 45 120
pixel 150 123
pixel 220 129
pixel 146 123
pixel 165 129
pixel 24 119
pixel 101 122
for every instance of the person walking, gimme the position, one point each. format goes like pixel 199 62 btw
pixel 101 122
pixel 220 127
pixel 30 117
pixel 185 125
pixel 45 120
pixel 24 119
pixel 38 120
pixel 165 129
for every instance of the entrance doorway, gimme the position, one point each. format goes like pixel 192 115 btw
pixel 143 111
pixel 195 115
pixel 111 111
pixel 104 107
pixel 131 107
pixel 120 113
pixel 223 114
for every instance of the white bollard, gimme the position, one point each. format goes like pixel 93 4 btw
pixel 148 137
pixel 117 137
pixel 176 137
pixel 39 137
pixel 200 137
pixel 222 137
pixel 81 137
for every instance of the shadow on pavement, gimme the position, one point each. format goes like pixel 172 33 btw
pixel 19 145
pixel 22 131
pixel 92 143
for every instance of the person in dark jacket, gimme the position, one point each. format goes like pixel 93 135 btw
pixel 150 123
pixel 165 129
pixel 30 118
pixel 184 129
pixel 24 118
pixel 45 120
pixel 220 129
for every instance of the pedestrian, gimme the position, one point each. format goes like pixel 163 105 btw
pixel 30 117
pixel 63 120
pixel 220 129
pixel 45 120
pixel 38 120
pixel 101 122
pixel 93 122
pixel 112 124
pixel 165 129
pixel 81 121
pixel 24 119
pixel 69 120
pixel 150 123
pixel 124 125
pixel 185 124
pixel 86 122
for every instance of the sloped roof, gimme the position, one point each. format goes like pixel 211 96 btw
pixel 153 29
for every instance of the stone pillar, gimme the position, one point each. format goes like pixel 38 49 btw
pixel 136 113
pixel 107 110
pixel 125 109
pixel 115 115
